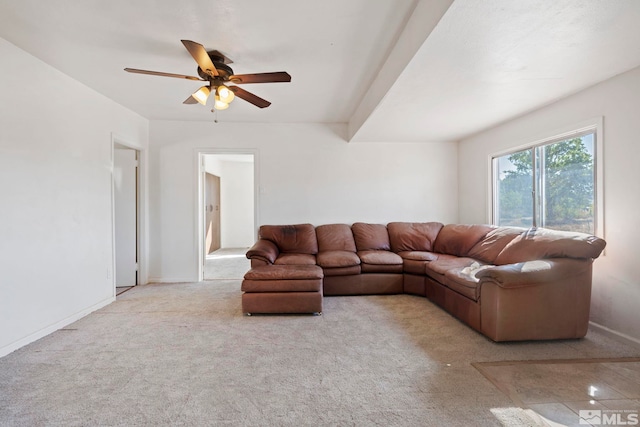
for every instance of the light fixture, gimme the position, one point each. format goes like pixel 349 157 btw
pixel 202 94
pixel 225 94
pixel 220 105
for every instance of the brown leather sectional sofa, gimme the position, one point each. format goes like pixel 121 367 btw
pixel 507 283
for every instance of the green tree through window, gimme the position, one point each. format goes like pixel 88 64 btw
pixel 550 185
pixel 516 190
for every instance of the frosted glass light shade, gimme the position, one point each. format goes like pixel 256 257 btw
pixel 220 105
pixel 225 94
pixel 202 94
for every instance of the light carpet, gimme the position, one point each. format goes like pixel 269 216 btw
pixel 183 354
pixel 226 263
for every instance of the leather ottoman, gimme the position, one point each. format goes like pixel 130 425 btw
pixel 283 289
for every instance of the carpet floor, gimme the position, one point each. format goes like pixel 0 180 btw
pixel 226 263
pixel 184 355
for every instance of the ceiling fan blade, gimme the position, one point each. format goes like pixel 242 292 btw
pixel 201 56
pixel 190 100
pixel 249 97
pixel 161 74
pixel 278 76
pixel 225 58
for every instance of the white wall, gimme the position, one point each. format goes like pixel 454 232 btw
pixel 307 173
pixel 55 195
pixel 213 165
pixel 237 207
pixel 616 286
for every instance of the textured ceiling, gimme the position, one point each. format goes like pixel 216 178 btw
pixel 395 70
pixel 332 49
pixel 489 61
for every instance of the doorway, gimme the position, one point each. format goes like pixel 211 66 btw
pixel 227 213
pixel 126 213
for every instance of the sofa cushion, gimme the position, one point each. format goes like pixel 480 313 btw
pixel 413 236
pixel 333 259
pixel 335 237
pixel 278 278
pixel 381 268
pixel 300 238
pixel 413 266
pixel 295 259
pixel 488 248
pixel 540 243
pixel 418 255
pixel 294 285
pixel 413 262
pixel 380 258
pixel 445 263
pixel 371 237
pixel 380 262
pixel 272 272
pixel 458 239
pixel 342 271
pixel 464 280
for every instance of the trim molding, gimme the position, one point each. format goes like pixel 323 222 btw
pixel 614 332
pixel 595 124
pixel 199 156
pixel 142 214
pixel 50 329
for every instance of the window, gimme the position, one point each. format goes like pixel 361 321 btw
pixel 551 184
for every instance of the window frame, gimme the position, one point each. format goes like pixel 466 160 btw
pixel 594 126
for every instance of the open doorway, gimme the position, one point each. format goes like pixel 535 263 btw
pixel 126 213
pixel 227 207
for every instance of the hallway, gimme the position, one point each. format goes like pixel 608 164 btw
pixel 226 263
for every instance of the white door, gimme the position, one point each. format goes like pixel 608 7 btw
pixel 125 201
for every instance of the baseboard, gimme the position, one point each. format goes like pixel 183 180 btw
pixel 170 280
pixel 614 332
pixel 50 329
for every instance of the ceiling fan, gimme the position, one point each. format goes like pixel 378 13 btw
pixel 213 68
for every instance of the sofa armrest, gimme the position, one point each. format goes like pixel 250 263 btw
pixel 533 272
pixel 536 300
pixel 264 250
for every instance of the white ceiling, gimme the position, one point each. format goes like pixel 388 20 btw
pixel 395 70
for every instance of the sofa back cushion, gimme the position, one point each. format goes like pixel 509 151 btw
pixel 370 237
pixel 299 238
pixel 458 239
pixel 540 243
pixel 413 236
pixel 335 237
pixel 488 248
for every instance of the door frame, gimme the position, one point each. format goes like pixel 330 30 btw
pixel 199 157
pixel 142 249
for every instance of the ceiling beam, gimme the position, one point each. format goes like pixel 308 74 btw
pixel 420 24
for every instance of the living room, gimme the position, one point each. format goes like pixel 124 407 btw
pixel 356 162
